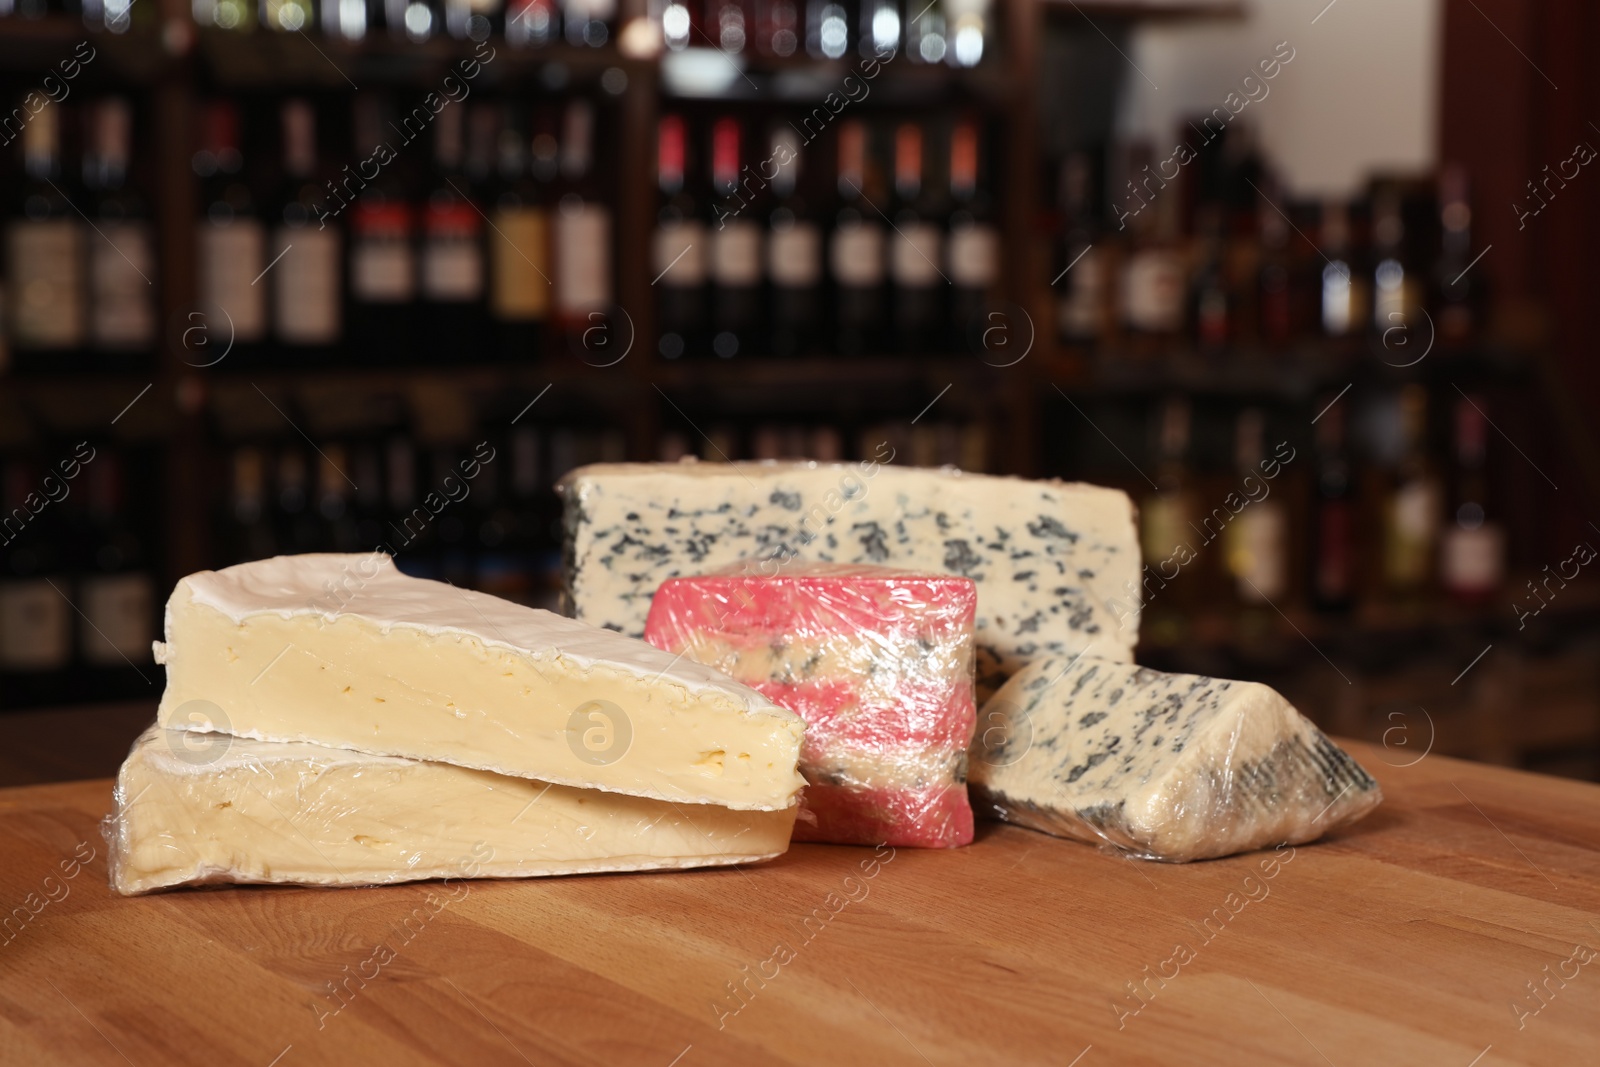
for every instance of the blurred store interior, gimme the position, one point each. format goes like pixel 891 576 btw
pixel 1313 284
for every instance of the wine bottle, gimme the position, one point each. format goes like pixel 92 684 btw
pixel 519 250
pixel 307 264
pixel 1257 542
pixel 1412 503
pixel 974 248
pixel 856 251
pixel 532 23
pixel 679 249
pixel 452 251
pixel 735 239
pixel 1212 311
pixel 588 22
pixel 1333 517
pixel 777 27
pixel 919 286
pixel 827 29
pixel 794 254
pixel 233 244
pixel 286 16
pixel 1278 299
pixel 383 267
pixel 583 245
pixel 1473 550
pixel 122 262
pixel 880 29
pixel 925 35
pixel 1345 288
pixel 1458 289
pixel 117 592
pixel 727 19
pixel 248 533
pixel 1396 285
pixel 1083 311
pixel 45 258
pixel 1169 541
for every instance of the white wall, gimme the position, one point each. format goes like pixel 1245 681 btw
pixel 1360 95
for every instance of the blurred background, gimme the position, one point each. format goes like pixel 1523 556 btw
pixel 1311 281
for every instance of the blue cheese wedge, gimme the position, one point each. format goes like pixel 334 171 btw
pixel 1165 766
pixel 1054 562
pixel 347 651
pixel 203 808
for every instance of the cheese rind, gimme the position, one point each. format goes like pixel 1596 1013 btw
pixel 1054 562
pixel 877 661
pixel 347 651
pixel 1165 766
pixel 194 809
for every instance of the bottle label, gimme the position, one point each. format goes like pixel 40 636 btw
pixel 975 256
pixel 1258 552
pixel 35 626
pixel 382 270
pixel 794 256
pixel 122 302
pixel 678 254
pixel 856 257
pixel 1413 514
pixel 519 258
pixel 306 285
pixel 1086 286
pixel 583 259
pixel 116 619
pixel 45 271
pixel 452 268
pixel 1164 525
pixel 1473 561
pixel 736 254
pixel 1152 291
pixel 914 255
pixel 232 255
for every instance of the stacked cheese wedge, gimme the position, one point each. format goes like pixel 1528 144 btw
pixel 329 721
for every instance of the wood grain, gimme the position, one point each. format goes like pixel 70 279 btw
pixel 1407 939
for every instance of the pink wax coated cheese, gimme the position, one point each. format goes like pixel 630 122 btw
pixel 879 664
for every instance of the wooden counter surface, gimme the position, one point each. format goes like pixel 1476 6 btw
pixel 1410 938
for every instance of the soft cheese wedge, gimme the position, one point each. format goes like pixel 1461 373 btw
pixel 1056 563
pixel 1166 766
pixel 195 808
pixel 347 651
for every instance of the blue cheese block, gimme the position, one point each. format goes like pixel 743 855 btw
pixel 1053 561
pixel 1166 766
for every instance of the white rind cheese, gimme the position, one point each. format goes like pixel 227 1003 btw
pixel 1053 561
pixel 198 808
pixel 1166 766
pixel 347 651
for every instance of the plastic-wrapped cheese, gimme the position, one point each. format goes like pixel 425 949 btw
pixel 200 808
pixel 1165 766
pixel 878 663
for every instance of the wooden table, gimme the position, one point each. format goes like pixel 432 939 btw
pixel 1409 938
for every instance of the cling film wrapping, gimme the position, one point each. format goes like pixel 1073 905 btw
pixel 1159 766
pixel 196 808
pixel 879 664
